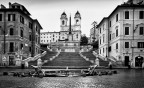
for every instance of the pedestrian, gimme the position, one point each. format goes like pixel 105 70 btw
pixel 129 65
pixel 37 70
pixel 142 65
pixel 110 65
pixel 22 64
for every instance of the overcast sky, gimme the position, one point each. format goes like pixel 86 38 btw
pixel 48 12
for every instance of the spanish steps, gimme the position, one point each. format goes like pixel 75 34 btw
pixel 92 57
pixel 68 59
pixel 45 57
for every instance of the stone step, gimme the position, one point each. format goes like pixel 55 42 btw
pixel 68 59
pixel 92 57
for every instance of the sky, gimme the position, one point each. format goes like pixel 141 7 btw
pixel 48 12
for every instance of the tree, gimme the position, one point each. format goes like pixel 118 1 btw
pixel 95 45
pixel 84 40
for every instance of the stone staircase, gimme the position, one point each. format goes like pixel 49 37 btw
pixel 91 56
pixel 115 62
pixel 68 59
pixel 47 56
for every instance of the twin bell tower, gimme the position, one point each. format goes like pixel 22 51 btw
pixel 64 21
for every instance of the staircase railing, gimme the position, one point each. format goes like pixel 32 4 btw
pixel 84 57
pixel 35 57
pixel 58 52
pixel 112 58
pixel 99 56
pixel 49 48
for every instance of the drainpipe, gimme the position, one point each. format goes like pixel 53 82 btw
pixel 107 51
pixel 132 42
pixel 4 32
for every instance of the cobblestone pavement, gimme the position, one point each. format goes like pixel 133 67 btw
pixel 124 79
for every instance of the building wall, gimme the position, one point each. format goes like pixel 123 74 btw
pixel 76 35
pixel 20 36
pixel 122 38
pixel 103 38
pixel 49 37
pixel 94 33
pixel 117 41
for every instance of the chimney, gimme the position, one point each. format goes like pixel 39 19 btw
pixel 10 5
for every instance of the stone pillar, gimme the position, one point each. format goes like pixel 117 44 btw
pixel 18 62
pixel 26 64
pixel 39 62
pixel 4 60
pixel 22 64
pixel 132 63
pixel 97 61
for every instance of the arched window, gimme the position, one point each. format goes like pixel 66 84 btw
pixel 77 21
pixel 11 31
pixel 63 22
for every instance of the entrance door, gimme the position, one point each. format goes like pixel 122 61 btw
pixel 126 60
pixel 138 61
pixel 11 60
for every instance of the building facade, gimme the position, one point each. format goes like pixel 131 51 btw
pixel 62 35
pixel 49 37
pixel 121 34
pixel 103 37
pixel 76 28
pixel 93 33
pixel 19 34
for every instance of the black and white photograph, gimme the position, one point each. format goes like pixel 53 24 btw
pixel 71 43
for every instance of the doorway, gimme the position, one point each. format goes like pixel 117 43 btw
pixel 126 60
pixel 138 61
pixel 11 60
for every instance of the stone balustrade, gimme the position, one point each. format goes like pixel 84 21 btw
pixel 25 61
pixel 52 58
pixel 97 55
pixel 87 59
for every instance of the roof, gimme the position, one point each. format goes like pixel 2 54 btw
pixel 102 21
pixel 16 10
pixel 122 6
pixel 77 12
pixel 77 15
pixel 17 4
pixel 63 13
pixel 126 6
pixel 35 20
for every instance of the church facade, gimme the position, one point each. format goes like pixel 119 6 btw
pixel 53 38
pixel 76 28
